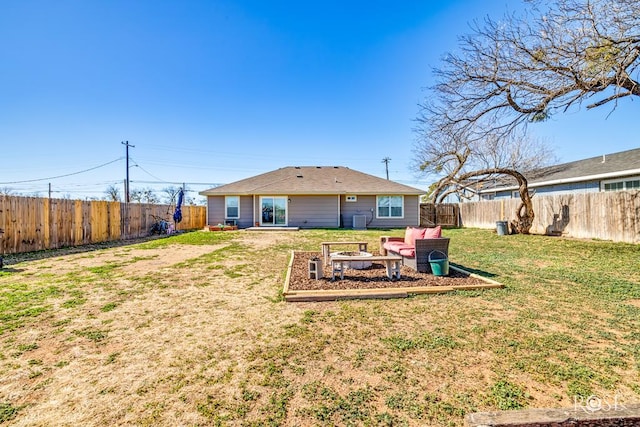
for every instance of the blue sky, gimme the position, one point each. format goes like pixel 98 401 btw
pixel 216 91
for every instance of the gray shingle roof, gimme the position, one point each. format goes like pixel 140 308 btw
pixel 313 180
pixel 624 163
pixel 606 164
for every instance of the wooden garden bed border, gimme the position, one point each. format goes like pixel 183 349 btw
pixel 376 293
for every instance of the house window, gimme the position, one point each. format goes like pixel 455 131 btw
pixel 632 185
pixel 390 206
pixel 352 198
pixel 232 204
pixel 620 185
pixel 614 186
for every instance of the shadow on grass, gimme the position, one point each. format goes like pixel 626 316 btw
pixel 5 270
pixel 474 270
pixel 69 250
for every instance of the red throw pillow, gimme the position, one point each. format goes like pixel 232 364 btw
pixel 409 238
pixel 418 233
pixel 413 233
pixel 433 233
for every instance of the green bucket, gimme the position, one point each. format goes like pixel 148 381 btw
pixel 439 263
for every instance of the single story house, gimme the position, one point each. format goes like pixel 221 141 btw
pixel 314 197
pixel 609 172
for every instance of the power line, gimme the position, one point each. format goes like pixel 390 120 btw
pixel 176 182
pixel 65 175
pixel 147 172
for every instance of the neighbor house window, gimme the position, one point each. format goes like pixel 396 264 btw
pixel 632 184
pixel 232 204
pixel 613 186
pixel 390 206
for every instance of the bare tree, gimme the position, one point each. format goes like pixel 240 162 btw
pixel 465 164
pixel 555 56
pixel 525 68
pixel 136 195
pixel 6 191
pixel 149 196
pixel 171 194
pixel 144 195
pixel 113 193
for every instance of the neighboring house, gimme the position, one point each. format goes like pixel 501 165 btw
pixel 314 197
pixel 609 172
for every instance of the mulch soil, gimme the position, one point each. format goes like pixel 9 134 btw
pixel 374 277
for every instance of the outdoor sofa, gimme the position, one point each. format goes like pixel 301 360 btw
pixel 415 246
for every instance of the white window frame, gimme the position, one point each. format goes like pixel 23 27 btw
pixel 287 200
pixel 226 207
pixel 351 198
pixel 389 216
pixel 622 181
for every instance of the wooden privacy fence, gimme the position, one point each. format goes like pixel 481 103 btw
pixel 445 214
pixel 32 224
pixel 613 215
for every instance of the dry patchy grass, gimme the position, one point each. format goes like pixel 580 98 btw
pixel 191 330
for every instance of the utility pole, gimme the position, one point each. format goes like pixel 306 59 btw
pixel 386 161
pixel 126 183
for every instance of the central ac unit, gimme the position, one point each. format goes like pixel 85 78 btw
pixel 359 222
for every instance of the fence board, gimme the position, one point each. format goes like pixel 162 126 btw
pixel 604 215
pixel 31 224
pixel 445 214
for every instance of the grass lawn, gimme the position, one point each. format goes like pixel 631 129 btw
pixel 192 330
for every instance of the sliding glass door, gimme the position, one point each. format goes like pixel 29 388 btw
pixel 274 211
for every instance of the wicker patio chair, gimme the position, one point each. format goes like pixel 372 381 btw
pixel 423 248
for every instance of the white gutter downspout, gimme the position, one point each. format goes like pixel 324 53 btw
pixel 338 218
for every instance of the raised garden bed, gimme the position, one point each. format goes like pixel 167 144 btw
pixel 219 228
pixel 372 282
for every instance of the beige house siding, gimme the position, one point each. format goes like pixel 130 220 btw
pixel 216 211
pixel 313 211
pixel 321 211
pixel 411 213
pixel 362 206
pixel 246 207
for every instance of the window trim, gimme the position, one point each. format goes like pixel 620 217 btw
pixel 378 216
pixel 621 180
pixel 226 207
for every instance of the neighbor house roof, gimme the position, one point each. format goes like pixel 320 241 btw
pixel 607 166
pixel 313 180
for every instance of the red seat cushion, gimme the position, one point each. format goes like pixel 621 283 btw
pixel 396 246
pixel 408 252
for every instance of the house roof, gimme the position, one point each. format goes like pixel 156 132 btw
pixel 607 166
pixel 313 180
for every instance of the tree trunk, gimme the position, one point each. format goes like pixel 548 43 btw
pixel 524 213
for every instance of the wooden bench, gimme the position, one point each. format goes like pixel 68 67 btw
pixel 326 248
pixel 392 262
